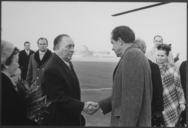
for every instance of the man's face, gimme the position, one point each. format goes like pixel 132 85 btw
pixel 27 46
pixel 157 41
pixel 42 45
pixel 66 47
pixel 116 47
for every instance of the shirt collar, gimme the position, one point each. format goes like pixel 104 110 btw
pixel 41 53
pixel 27 50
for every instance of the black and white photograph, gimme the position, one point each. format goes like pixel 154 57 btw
pixel 89 63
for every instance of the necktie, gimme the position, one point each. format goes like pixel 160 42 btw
pixel 70 66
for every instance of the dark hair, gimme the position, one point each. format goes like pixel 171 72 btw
pixel 8 61
pixel 123 32
pixel 165 47
pixel 58 39
pixel 42 38
pixel 27 42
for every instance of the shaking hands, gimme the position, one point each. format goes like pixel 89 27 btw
pixel 91 107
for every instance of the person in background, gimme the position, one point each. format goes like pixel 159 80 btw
pixel 157 98
pixel 157 40
pixel 151 55
pixel 183 70
pixel 23 61
pixel 37 62
pixel 173 95
pixel 13 105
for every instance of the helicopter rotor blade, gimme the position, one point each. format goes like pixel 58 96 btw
pixel 137 9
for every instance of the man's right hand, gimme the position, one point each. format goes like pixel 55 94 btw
pixel 91 107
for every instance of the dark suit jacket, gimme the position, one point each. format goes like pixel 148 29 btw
pixel 61 86
pixel 183 69
pixel 13 106
pixel 130 102
pixel 23 62
pixel 183 76
pixel 157 99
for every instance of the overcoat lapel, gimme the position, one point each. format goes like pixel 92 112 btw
pixel 44 59
pixel 76 85
pixel 30 52
pixel 72 71
pixel 70 76
pixel 36 56
pixel 115 70
pixel 66 69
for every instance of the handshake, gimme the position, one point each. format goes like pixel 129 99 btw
pixel 91 107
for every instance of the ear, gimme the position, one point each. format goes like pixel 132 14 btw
pixel 120 41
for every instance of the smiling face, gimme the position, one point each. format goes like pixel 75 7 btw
pixel 66 48
pixel 161 56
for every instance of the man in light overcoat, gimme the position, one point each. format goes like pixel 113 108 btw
pixel 130 103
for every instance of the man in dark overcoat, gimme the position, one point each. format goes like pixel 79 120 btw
pixel 61 86
pixel 23 61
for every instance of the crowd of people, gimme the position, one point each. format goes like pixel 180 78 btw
pixel 41 87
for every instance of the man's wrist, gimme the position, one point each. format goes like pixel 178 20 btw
pixel 100 109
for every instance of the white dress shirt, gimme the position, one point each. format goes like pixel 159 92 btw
pixel 41 54
pixel 27 51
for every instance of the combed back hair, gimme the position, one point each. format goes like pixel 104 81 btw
pixel 158 36
pixel 123 32
pixel 27 42
pixel 42 38
pixel 57 40
pixel 165 47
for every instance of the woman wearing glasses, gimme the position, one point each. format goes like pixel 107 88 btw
pixel 13 106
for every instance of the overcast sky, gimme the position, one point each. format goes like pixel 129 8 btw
pixel 90 23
